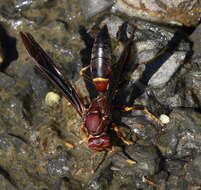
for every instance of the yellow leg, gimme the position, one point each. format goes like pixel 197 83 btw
pixel 83 74
pixel 145 110
pixel 85 134
pixel 83 70
pixel 119 134
pixel 106 153
pixel 68 145
pixel 150 182
pixel 129 161
pixel 84 140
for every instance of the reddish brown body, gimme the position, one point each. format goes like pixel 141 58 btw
pixel 96 121
pixel 96 117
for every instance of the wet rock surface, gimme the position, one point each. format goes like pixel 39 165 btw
pixel 182 134
pixel 179 11
pixel 40 134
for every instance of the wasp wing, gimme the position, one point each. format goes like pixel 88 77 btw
pixel 45 64
pixel 118 69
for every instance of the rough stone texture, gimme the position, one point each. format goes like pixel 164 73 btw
pixel 182 135
pixel 179 11
pixel 92 7
pixel 36 139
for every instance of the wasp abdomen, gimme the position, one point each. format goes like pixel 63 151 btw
pixel 101 60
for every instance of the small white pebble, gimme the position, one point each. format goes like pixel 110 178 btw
pixel 52 98
pixel 164 119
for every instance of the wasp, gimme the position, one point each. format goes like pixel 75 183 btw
pixel 97 116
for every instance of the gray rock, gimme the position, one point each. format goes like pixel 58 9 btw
pixel 5 184
pixel 93 7
pixel 176 12
pixel 183 90
pixel 193 170
pixel 195 38
pixel 166 71
pixel 6 81
pixel 161 49
pixel 141 126
pixel 34 153
pixel 146 157
pixel 23 4
pixel 38 85
pixel 113 23
pixel 58 166
pixel 181 135
pixel 101 181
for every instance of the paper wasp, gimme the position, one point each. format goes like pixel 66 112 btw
pixel 97 117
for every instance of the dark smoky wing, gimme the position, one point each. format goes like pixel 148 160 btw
pixel 118 69
pixel 117 72
pixel 45 64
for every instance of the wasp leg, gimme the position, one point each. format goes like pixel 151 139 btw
pixel 83 74
pixel 108 153
pixel 120 135
pixel 68 145
pixel 145 110
pixel 85 134
pixel 127 159
pixel 92 159
pixel 150 182
pixel 82 71
pixel 84 140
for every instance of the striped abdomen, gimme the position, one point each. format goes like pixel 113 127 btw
pixel 101 60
